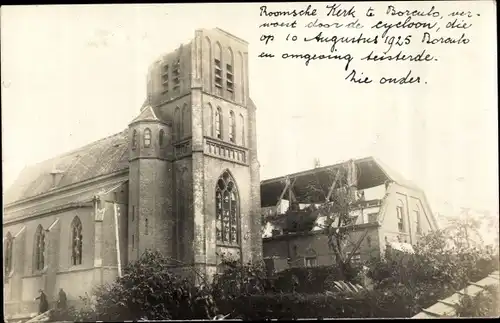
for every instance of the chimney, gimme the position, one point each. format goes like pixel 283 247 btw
pixel 56 176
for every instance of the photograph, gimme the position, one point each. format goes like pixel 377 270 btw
pixel 250 161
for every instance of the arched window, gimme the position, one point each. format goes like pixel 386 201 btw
pixel 208 47
pixel 241 72
pixel 230 74
pixel 218 123
pixel 242 122
pixel 76 241
pixel 147 137
pixel 218 69
pixel 9 244
pixel 400 215
pixel 134 139
pixel 227 210
pixel 232 127
pixel 177 122
pixel 161 137
pixel 39 260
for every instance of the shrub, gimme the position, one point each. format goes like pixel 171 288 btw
pixel 312 279
pixel 147 290
pixel 484 304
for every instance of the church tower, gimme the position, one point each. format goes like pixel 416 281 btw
pixel 150 224
pixel 202 89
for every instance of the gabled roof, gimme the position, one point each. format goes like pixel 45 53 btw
pixel 99 158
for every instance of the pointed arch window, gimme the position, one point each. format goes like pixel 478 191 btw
pixel 218 69
pixel 9 244
pixel 400 215
pixel 147 137
pixel 230 74
pixel 218 123
pixel 161 137
pixel 227 210
pixel 76 241
pixel 39 261
pixel 134 139
pixel 232 127
pixel 177 122
pixel 242 122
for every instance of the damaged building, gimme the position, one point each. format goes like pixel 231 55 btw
pixel 389 213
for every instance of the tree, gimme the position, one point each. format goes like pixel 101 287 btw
pixel 336 203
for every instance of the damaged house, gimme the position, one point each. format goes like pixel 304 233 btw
pixel 389 213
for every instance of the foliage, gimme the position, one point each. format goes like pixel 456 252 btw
pixel 149 290
pixel 363 304
pixel 443 263
pixel 484 304
pixel 313 279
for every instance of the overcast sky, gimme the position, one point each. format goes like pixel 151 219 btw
pixel 74 74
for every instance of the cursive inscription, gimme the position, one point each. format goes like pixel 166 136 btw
pixel 356 37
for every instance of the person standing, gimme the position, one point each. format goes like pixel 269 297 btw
pixel 44 304
pixel 62 303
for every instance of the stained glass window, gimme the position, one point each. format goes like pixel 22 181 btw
pixel 226 210
pixel 76 242
pixel 39 248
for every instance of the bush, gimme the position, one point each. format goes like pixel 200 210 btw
pixel 321 305
pixel 484 304
pixel 436 270
pixel 147 290
pixel 313 279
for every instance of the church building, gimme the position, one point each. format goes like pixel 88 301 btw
pixel 181 178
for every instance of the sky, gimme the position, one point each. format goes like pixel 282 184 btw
pixel 74 74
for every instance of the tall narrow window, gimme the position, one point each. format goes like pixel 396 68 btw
pixel 241 73
pixel 176 74
pixel 416 214
pixel 9 244
pixel 134 139
pixel 39 261
pixel 147 137
pixel 232 127
pixel 76 242
pixel 164 79
pixel 400 215
pixel 133 213
pixel 227 210
pixel 218 123
pixel 177 122
pixel 133 242
pixel 230 74
pixel 218 69
pixel 161 138
pixel 146 225
pixel 242 122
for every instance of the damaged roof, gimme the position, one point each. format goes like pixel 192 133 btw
pixel 102 157
pixel 371 171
